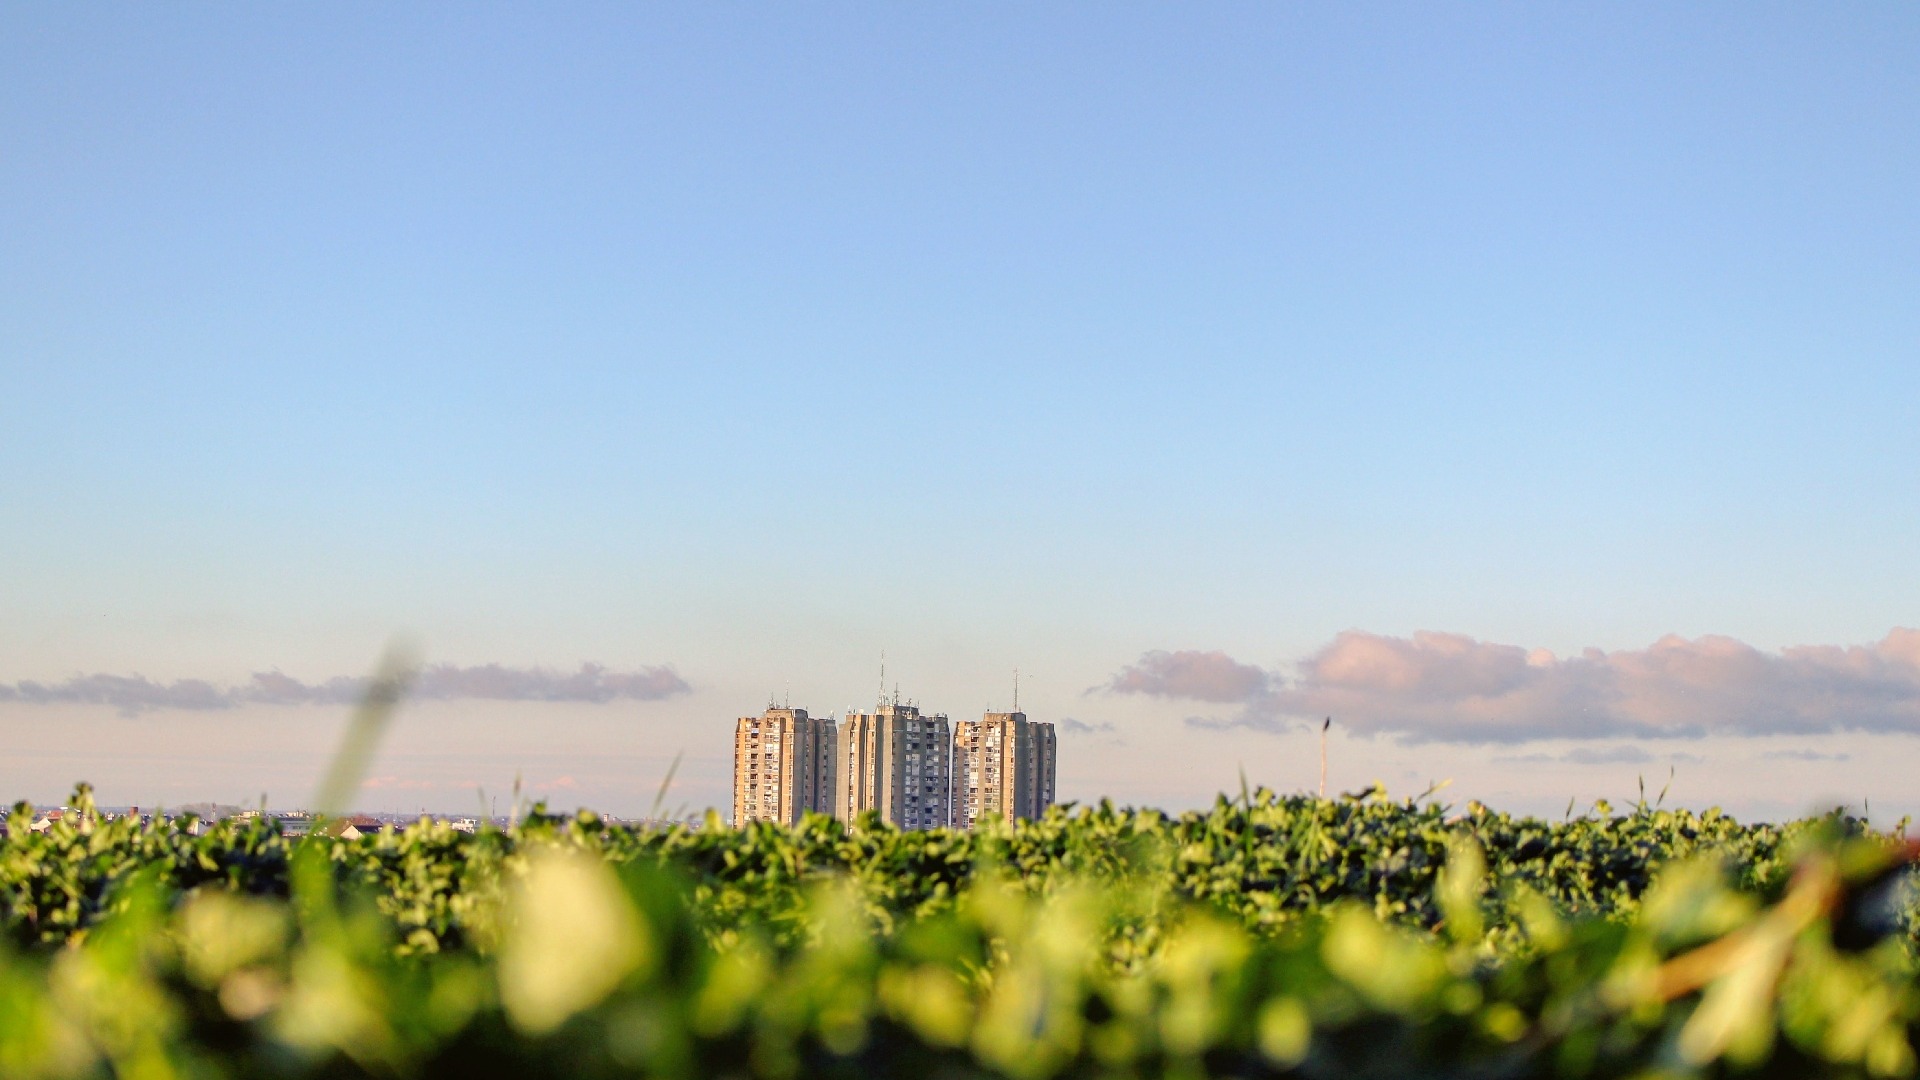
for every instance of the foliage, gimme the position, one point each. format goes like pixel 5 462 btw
pixel 1266 937
pixel 1263 860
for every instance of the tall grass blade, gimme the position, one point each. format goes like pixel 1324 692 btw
pixel 660 798
pixel 398 666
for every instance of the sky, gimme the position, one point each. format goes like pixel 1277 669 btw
pixel 1532 389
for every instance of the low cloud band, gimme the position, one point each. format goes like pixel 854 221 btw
pixel 1439 687
pixel 441 682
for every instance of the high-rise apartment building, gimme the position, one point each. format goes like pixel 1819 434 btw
pixel 1003 766
pixel 1045 755
pixel 783 766
pixel 898 762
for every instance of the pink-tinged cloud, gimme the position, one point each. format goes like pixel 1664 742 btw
pixel 442 682
pixel 1195 676
pixel 398 783
pixel 1453 688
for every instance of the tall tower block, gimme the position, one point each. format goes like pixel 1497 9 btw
pixel 1003 767
pixel 783 766
pixel 897 762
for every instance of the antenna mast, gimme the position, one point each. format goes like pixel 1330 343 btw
pixel 1016 689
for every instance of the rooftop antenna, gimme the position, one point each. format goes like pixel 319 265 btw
pixel 882 699
pixel 1016 689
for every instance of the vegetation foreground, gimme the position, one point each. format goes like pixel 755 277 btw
pixel 1269 936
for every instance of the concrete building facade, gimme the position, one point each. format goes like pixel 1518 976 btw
pixel 1045 756
pixel 783 766
pixel 1003 768
pixel 897 762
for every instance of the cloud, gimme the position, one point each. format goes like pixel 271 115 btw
pixel 133 694
pixel 1607 755
pixel 1080 727
pixel 397 783
pixel 591 683
pixel 1803 755
pixel 1582 755
pixel 1195 676
pixel 1438 687
pixel 1599 755
pixel 1202 676
pixel 129 693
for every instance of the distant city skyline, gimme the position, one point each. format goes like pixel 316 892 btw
pixel 1530 389
pixel 908 767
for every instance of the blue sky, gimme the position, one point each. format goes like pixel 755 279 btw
pixel 754 341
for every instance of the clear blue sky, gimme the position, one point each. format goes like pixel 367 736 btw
pixel 754 340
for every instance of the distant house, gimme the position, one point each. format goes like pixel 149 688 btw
pixel 47 818
pixel 353 828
